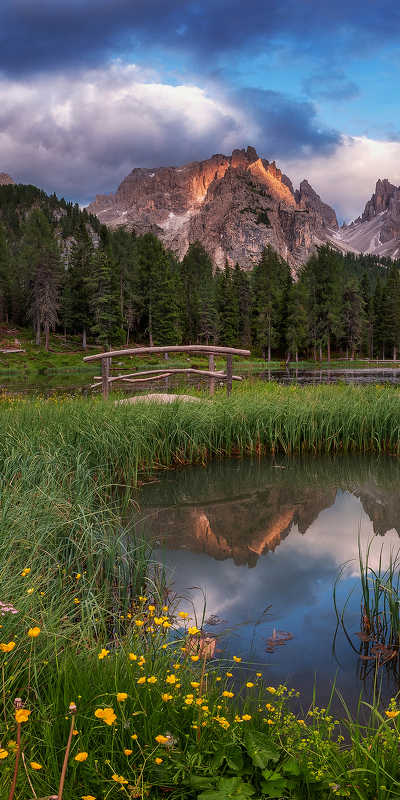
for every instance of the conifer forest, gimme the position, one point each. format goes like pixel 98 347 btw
pixel 61 269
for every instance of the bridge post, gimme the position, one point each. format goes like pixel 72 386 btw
pixel 229 370
pixel 105 372
pixel 211 367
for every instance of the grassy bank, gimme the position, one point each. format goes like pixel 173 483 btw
pixel 87 617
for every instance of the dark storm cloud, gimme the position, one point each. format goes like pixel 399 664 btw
pixel 40 35
pixel 287 127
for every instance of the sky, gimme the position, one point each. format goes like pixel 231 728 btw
pixel 91 89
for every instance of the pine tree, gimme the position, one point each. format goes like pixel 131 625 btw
pixel 104 293
pixel 42 258
pixel 267 280
pixel 353 314
pixel 228 307
pixel 296 321
pixel 393 309
pixel 367 337
pixel 5 275
pixel 166 290
pixel 196 272
pixel 76 301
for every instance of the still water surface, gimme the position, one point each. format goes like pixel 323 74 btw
pixel 274 533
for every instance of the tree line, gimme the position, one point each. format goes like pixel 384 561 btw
pixel 60 268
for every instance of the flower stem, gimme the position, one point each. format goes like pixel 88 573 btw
pixel 72 710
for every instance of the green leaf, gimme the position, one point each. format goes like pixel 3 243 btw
pixel 260 748
pixel 291 766
pixel 212 794
pixel 272 789
pixel 234 758
pixel 201 782
pixel 229 785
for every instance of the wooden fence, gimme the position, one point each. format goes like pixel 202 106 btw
pixel 153 374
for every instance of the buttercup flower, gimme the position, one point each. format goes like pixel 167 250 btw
pixel 25 572
pixel 195 658
pixel 193 631
pixel 142 679
pixel 35 765
pixel 152 679
pixel 106 714
pixel 128 752
pixel 6 648
pixel 182 614
pixel 166 697
pixel 195 684
pixel 249 685
pixel 33 632
pixel 76 600
pixel 392 714
pixel 158 760
pixel 238 660
pixel 161 739
pixel 88 797
pixel 104 653
pixel 246 717
pixel 3 753
pixel 227 694
pixel 121 696
pixel 271 689
pixel 139 622
pixel 21 715
pixel 134 736
pixel 119 778
pixel 132 657
pixel 171 679
pixel 81 756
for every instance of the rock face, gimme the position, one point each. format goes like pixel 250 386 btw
pixel 5 179
pixel 235 205
pixel 377 231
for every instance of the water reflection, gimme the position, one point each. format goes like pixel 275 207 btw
pixel 254 534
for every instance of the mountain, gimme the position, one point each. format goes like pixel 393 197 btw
pixel 377 231
pixel 234 205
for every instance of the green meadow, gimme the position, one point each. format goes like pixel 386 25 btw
pixel 120 694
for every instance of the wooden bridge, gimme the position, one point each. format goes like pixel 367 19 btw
pixel 154 374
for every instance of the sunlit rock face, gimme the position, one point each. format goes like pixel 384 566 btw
pixel 377 231
pixel 235 205
pixel 5 179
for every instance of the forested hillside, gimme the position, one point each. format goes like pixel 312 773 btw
pixel 60 268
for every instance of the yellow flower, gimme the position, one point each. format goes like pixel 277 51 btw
pixel 246 717
pixel 229 675
pixel 29 591
pixel 119 778
pixel 129 616
pixel 238 660
pixel 163 646
pixel 106 714
pixel 204 708
pixel 75 733
pixel 76 600
pixel 227 694
pixel 161 739
pixel 139 622
pixel 392 714
pixel 195 658
pixel 193 631
pixel 195 684
pixel 78 575
pixel 35 765
pixel 158 760
pixel 3 753
pixel 33 632
pixel 134 737
pixel 104 653
pixel 249 685
pixel 88 797
pixel 171 679
pixel 132 657
pixel 128 752
pixel 81 756
pixel 142 680
pixel 166 624
pixel 271 689
pixel 22 715
pixel 270 722
pixel 6 648
pixel 182 614
pixel 121 696
pixel 25 572
pixel 218 679
pixel 152 679
pixel 189 701
pixel 258 674
pixel 142 599
pixel 152 608
pixel 158 620
pixel 166 697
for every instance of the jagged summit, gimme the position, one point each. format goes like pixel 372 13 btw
pixel 235 205
pixel 5 179
pixel 377 231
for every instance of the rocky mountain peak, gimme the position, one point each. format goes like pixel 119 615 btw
pixel 385 192
pixel 234 205
pixel 5 179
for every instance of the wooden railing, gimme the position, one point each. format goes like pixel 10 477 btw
pixel 153 374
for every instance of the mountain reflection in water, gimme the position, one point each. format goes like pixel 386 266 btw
pixel 276 532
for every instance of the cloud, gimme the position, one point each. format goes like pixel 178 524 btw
pixel 332 86
pixel 286 126
pixel 82 137
pixel 346 180
pixel 40 36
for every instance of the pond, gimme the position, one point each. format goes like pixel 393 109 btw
pixel 273 534
pixel 77 380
